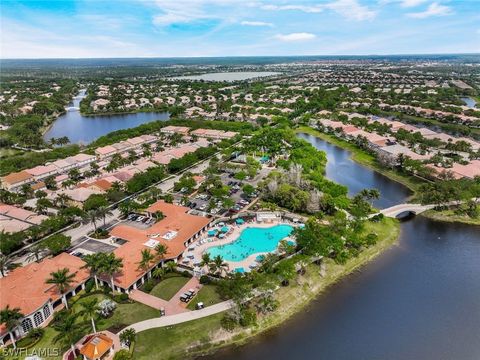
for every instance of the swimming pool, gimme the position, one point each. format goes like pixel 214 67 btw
pixel 252 240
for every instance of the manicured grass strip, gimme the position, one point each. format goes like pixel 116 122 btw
pixel 208 295
pixel 168 287
pixel 174 342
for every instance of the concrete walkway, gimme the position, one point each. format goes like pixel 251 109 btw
pixel 181 318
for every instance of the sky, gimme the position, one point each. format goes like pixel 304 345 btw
pixel 184 28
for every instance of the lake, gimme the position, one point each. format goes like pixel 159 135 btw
pixel 82 129
pixel 228 76
pixel 418 300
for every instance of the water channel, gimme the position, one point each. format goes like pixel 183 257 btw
pixel 418 300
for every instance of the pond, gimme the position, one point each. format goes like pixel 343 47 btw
pixel 228 76
pixel 82 129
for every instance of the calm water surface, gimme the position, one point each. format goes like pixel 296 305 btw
pixel 420 300
pixel 85 129
pixel 228 76
pixel 342 170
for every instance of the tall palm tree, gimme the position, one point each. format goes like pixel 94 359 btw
pixel 128 336
pixel 35 252
pixel 62 200
pixel 147 257
pixel 89 310
pixel 171 266
pixel 94 262
pixel 91 216
pixel 11 319
pixel 62 279
pixel 219 266
pixel 161 250
pixel 103 212
pixel 206 259
pixel 6 263
pixel 110 266
pixel 67 331
pixel 158 273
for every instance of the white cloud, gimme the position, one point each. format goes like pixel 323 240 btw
pixel 187 11
pixel 256 23
pixel 434 9
pixel 302 36
pixel 304 8
pixel 350 9
pixel 411 3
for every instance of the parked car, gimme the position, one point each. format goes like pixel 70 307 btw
pixel 199 306
pixel 184 298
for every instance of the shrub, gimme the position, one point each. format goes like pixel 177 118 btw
pixel 204 279
pixel 36 333
pixel 228 322
pixel 186 273
pixel 122 355
pixel 148 286
pixel 89 285
pixel 121 298
pixel 248 317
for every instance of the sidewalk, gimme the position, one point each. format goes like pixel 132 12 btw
pixel 181 318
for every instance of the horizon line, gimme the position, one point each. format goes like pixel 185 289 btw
pixel 240 56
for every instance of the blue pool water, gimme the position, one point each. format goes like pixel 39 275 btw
pixel 251 241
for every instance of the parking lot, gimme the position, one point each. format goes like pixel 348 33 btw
pixel 92 246
pixel 139 221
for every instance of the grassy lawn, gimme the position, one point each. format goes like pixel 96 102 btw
pixel 174 342
pixel 450 216
pixel 364 158
pixel 169 286
pixel 124 314
pixel 207 294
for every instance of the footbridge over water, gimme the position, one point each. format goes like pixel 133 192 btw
pixel 396 210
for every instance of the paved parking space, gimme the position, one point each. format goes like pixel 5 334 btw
pixel 94 246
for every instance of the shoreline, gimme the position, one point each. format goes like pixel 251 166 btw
pixel 367 160
pixel 295 297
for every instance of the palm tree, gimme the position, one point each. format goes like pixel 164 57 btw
pixel 147 257
pixel 6 263
pixel 171 266
pixel 158 273
pixel 67 331
pixel 91 216
pixel 62 279
pixel 102 212
pixel 128 336
pixel 219 266
pixel 11 318
pixel 89 310
pixel 62 200
pixel 161 250
pixel 35 252
pixel 111 265
pixel 94 262
pixel 206 259
pixel 158 215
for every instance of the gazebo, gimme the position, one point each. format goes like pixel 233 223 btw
pixel 98 347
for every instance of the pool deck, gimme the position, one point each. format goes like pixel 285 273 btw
pixel 232 236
